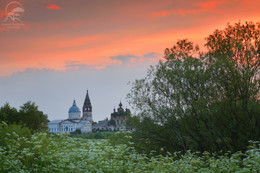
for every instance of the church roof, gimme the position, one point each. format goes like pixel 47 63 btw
pixel 84 121
pixel 74 107
pixel 101 124
pixel 55 121
pixel 120 111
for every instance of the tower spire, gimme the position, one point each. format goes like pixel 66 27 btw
pixel 87 100
pixel 87 109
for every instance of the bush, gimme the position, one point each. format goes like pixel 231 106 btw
pixel 9 133
pixel 43 153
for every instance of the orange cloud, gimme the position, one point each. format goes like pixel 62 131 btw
pixel 54 51
pixel 181 12
pixel 160 13
pixel 210 5
pixel 53 7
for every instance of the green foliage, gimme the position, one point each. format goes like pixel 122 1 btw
pixel 11 132
pixel 93 135
pixel 32 117
pixel 9 114
pixel 112 122
pixel 121 137
pixel 28 116
pixel 44 153
pixel 131 121
pixel 202 101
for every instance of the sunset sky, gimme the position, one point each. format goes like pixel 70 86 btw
pixel 68 46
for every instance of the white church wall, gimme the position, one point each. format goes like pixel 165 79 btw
pixel 74 121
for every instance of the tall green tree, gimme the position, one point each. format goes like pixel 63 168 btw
pixel 235 54
pixel 31 117
pixel 8 114
pixel 202 101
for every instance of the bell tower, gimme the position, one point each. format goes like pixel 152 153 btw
pixel 87 109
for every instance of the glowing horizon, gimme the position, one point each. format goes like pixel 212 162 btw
pixel 56 33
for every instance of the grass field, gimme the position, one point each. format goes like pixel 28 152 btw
pixel 45 153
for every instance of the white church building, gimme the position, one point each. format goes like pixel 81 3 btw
pixel 75 122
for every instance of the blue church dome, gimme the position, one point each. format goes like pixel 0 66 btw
pixel 74 108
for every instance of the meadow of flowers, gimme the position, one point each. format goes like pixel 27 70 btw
pixel 45 153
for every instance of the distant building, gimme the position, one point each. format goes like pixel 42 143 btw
pixel 119 117
pixel 117 121
pixel 103 126
pixel 75 122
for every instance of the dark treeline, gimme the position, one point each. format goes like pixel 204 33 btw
pixel 27 116
pixel 201 101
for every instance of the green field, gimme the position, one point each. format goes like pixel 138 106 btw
pixel 43 152
pixel 93 135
